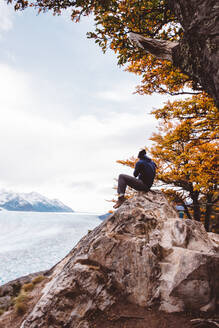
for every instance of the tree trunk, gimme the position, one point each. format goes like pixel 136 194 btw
pixel 208 211
pixel 187 213
pixel 196 206
pixel 159 48
pixel 196 211
pixel 207 216
pixel 197 53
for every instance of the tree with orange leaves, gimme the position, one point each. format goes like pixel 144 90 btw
pixel 185 150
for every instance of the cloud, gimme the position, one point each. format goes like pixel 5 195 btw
pixel 6 17
pixel 67 113
pixel 44 155
pixel 82 185
pixel 15 88
pixel 72 158
pixel 119 93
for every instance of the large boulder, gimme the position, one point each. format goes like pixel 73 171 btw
pixel 143 253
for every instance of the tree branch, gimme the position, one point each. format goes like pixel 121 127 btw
pixel 159 48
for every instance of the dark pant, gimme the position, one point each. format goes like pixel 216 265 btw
pixel 127 180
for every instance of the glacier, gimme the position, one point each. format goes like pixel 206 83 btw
pixel 31 241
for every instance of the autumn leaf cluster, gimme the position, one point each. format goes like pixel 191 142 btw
pixel 185 149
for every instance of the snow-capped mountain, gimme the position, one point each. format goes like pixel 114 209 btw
pixel 33 201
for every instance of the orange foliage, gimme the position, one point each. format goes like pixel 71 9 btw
pixel 185 149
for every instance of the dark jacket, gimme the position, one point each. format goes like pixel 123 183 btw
pixel 145 169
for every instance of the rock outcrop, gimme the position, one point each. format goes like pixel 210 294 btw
pixel 143 253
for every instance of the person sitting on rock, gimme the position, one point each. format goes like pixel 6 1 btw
pixel 143 179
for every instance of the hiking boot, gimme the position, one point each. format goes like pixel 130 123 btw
pixel 119 202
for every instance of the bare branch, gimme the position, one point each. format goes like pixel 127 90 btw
pixel 159 48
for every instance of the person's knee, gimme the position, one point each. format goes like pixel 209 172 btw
pixel 121 176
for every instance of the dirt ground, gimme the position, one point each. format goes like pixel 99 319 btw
pixel 127 315
pixel 122 315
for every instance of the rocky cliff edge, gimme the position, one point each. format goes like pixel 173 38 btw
pixel 143 254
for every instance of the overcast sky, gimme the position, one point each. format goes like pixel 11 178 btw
pixel 67 111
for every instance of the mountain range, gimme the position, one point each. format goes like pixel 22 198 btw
pixel 32 201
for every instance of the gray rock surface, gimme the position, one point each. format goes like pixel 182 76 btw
pixel 143 253
pixel 5 302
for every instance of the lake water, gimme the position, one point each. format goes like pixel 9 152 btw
pixel 33 241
